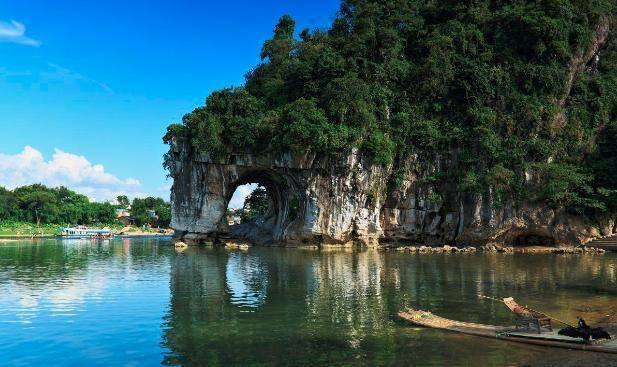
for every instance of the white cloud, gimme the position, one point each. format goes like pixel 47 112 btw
pixel 67 76
pixel 237 200
pixel 15 32
pixel 64 169
pixel 54 75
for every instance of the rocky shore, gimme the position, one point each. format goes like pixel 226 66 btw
pixel 423 249
pixel 498 249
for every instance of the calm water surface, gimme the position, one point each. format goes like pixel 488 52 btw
pixel 141 303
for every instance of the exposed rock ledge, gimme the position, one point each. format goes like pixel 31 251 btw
pixel 347 201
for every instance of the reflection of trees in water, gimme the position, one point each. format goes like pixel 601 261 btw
pixel 247 280
pixel 197 296
pixel 41 263
pixel 348 294
pixel 63 274
pixel 47 261
pixel 209 319
pixel 449 284
pixel 340 307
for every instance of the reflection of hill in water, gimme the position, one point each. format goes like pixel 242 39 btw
pixel 339 306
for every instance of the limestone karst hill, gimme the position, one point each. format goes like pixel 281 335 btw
pixel 415 121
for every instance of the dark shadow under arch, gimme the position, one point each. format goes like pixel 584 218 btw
pixel 534 239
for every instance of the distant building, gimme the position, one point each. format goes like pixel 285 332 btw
pixel 124 217
pixel 122 212
pixel 234 219
pixel 152 214
pixel 127 221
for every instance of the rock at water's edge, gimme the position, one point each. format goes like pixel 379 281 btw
pixel 348 200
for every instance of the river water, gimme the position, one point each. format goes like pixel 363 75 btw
pixel 139 302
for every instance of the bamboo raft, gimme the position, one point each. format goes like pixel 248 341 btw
pixel 549 339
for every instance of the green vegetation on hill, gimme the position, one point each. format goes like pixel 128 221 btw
pixel 497 88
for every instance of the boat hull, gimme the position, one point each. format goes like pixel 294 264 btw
pixel 427 319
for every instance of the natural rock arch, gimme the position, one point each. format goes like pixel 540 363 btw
pixel 204 186
pixel 271 226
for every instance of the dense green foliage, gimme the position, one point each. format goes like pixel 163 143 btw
pixel 162 209
pixel 40 204
pixel 479 83
pixel 255 205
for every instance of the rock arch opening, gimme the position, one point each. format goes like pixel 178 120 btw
pixel 258 207
pixel 249 203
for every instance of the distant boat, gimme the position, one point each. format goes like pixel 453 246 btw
pixel 84 232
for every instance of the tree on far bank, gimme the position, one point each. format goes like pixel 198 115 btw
pixel 123 201
pixel 43 205
pixel 8 204
pixel 38 204
pixel 140 208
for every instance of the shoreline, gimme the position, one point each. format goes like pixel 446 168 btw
pixel 13 238
pixel 244 245
pixel 495 249
pixel 233 244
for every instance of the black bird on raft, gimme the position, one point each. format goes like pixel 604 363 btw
pixel 584 331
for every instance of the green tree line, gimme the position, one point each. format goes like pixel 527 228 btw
pixel 40 204
pixel 483 84
pixel 43 205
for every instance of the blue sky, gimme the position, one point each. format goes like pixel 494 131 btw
pixel 87 88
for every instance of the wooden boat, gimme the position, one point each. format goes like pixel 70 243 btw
pixel 549 339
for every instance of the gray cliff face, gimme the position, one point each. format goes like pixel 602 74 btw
pixel 348 200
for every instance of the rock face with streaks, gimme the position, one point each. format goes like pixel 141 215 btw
pixel 348 200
